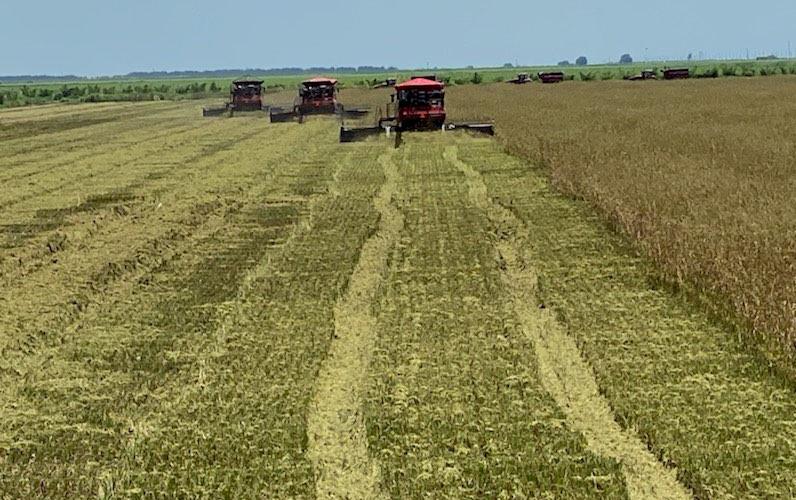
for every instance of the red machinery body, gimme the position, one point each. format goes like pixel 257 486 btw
pixel 676 74
pixel 551 77
pixel 420 104
pixel 318 96
pixel 246 95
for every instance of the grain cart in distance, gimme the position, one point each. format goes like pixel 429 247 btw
pixel 417 105
pixel 676 74
pixel 551 77
pixel 521 79
pixel 244 95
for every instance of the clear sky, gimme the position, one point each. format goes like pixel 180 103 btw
pixel 105 37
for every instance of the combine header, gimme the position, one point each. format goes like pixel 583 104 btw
pixel 244 95
pixel 317 96
pixel 417 105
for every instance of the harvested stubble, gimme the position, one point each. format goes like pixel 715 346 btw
pixel 176 310
pixel 457 409
pixel 163 326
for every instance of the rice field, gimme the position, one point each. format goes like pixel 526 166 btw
pixel 228 308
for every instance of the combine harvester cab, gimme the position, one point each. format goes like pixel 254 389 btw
pixel 244 95
pixel 417 105
pixel 420 104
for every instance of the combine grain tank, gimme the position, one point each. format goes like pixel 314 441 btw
pixel 676 74
pixel 551 77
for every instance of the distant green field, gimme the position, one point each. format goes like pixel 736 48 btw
pixel 159 88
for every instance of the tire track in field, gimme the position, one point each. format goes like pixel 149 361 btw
pixel 563 372
pixel 338 446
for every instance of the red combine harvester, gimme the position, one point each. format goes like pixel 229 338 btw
pixel 244 95
pixel 417 105
pixel 317 96
pixel 551 77
pixel 676 74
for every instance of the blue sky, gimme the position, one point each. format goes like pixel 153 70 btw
pixel 93 37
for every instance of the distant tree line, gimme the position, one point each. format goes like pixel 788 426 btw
pixel 79 92
pixel 221 73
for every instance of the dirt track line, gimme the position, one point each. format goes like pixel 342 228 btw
pixel 563 372
pixel 338 445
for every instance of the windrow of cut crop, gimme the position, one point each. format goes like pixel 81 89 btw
pixel 51 180
pixel 695 396
pixel 48 283
pixel 84 420
pixel 75 145
pixel 239 428
pixel 68 257
pixel 456 408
